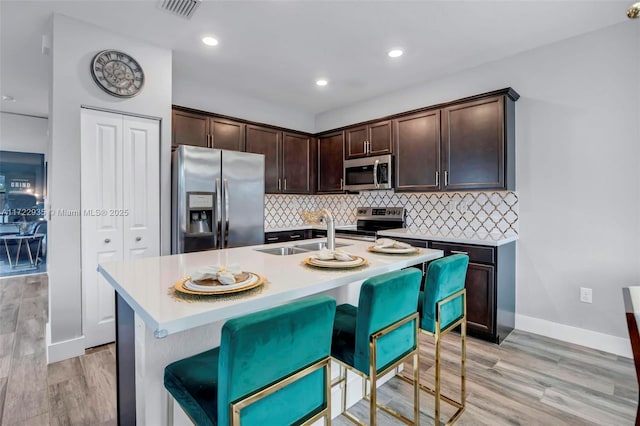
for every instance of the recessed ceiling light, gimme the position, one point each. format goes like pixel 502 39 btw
pixel 8 98
pixel 322 82
pixel 210 41
pixel 395 53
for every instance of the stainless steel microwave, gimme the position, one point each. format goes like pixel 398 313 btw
pixel 368 173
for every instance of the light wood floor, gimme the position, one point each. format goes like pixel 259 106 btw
pixel 528 380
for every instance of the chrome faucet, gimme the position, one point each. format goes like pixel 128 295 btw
pixel 331 229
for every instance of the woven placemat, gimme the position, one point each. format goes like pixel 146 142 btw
pixel 214 298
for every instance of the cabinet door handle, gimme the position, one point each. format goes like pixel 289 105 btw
pixel 294 236
pixel 279 186
pixel 272 239
pixel 459 252
pixel 341 183
pixel 364 146
pixel 446 178
pixel 107 240
pixel 437 178
pixel 138 239
pixel 285 184
pixel 368 147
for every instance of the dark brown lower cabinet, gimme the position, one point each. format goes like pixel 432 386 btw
pixel 293 235
pixel 491 288
pixel 480 285
pixel 490 284
pixel 284 236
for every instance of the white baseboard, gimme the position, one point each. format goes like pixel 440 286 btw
pixel 66 349
pixel 580 336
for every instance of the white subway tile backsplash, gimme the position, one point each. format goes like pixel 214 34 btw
pixel 480 212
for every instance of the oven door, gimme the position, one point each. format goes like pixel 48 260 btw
pixel 368 173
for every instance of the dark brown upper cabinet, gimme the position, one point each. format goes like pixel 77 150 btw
pixel 461 146
pixel 191 128
pixel 478 144
pixel 417 151
pixel 266 141
pixel 297 163
pixel 226 134
pixel 288 158
pixel 372 139
pixel 331 163
pixel 467 144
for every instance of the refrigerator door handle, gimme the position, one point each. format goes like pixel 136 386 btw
pixel 226 213
pixel 218 232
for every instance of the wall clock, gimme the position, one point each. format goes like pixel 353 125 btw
pixel 117 73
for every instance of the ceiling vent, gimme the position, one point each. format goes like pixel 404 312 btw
pixel 182 8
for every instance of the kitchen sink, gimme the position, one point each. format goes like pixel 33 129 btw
pixel 300 248
pixel 317 245
pixel 282 251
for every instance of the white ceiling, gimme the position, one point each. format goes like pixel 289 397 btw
pixel 274 50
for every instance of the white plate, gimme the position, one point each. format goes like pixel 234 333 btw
pixel 393 250
pixel 222 288
pixel 336 263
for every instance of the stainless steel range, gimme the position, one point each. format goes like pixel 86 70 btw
pixel 369 220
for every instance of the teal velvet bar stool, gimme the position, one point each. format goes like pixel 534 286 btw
pixel 379 335
pixel 272 368
pixel 442 307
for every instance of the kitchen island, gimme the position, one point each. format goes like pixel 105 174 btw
pixel 155 328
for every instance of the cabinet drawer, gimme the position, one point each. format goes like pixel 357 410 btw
pixel 318 233
pixel 284 236
pixel 476 253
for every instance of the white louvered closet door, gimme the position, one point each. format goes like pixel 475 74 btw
pixel 120 207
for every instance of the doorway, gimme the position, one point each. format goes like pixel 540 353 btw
pixel 23 225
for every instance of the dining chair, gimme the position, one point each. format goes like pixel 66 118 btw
pixel 272 368
pixel 631 296
pixel 442 307
pixel 379 335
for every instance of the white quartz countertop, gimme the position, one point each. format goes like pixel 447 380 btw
pixel 296 227
pixel 145 283
pixel 463 237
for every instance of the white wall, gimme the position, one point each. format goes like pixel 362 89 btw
pixel 23 133
pixel 74 45
pixel 578 179
pixel 219 100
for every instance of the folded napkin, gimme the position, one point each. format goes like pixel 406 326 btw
pixel 225 275
pixel 382 243
pixel 326 254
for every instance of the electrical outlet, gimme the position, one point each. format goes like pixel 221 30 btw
pixel 586 295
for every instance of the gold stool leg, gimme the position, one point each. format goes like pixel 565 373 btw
pixel 344 389
pixel 416 389
pixel 169 409
pixel 463 362
pixel 437 389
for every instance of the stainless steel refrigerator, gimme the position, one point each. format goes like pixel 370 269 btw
pixel 217 199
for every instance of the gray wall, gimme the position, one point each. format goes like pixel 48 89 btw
pixel 578 180
pixel 217 99
pixel 74 45
pixel 23 133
